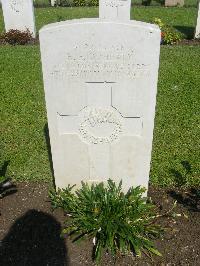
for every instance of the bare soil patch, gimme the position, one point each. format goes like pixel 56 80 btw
pixel 30 231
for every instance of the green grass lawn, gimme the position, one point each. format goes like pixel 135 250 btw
pixel 184 19
pixel 176 135
pixel 176 140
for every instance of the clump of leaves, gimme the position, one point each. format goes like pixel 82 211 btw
pixel 115 221
pixel 77 2
pixel 169 35
pixel 15 37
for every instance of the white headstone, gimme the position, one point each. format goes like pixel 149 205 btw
pixel 53 2
pixel 19 15
pixel 115 9
pixel 100 86
pixel 197 31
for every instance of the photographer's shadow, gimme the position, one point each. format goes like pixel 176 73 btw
pixel 34 239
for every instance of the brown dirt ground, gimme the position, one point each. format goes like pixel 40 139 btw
pixel 189 42
pixel 35 41
pixel 30 231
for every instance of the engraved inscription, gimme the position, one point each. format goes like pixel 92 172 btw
pixel 16 5
pixel 100 125
pixel 116 3
pixel 85 61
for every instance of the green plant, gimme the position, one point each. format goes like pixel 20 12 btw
pixel 78 3
pixel 169 35
pixel 146 2
pixel 92 2
pixel 116 222
pixel 17 37
pixel 159 22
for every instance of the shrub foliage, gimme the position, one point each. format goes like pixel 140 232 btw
pixel 169 35
pixel 77 3
pixel 116 222
pixel 17 37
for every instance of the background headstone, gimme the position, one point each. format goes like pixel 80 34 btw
pixel 114 9
pixel 19 15
pixel 53 2
pixel 100 89
pixel 197 31
pixel 171 3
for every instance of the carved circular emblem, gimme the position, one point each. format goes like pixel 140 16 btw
pixel 100 125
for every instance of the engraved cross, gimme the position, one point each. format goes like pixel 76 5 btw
pixel 99 124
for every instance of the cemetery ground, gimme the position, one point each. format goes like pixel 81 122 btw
pixel 31 231
pixel 25 149
pixel 183 19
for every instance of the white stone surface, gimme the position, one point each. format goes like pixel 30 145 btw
pixel 115 9
pixel 19 14
pixel 100 80
pixel 197 31
pixel 53 2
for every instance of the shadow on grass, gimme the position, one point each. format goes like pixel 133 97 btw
pixel 188 32
pixel 191 198
pixel 34 239
pixel 180 179
pixel 3 168
pixel 47 138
